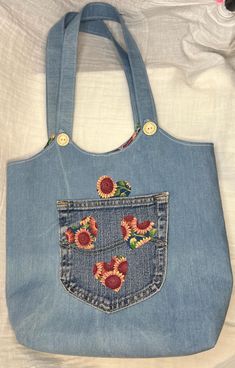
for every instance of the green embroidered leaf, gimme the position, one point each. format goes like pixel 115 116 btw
pixel 152 232
pixel 132 246
pixel 85 226
pixel 74 227
pixel 117 193
pixel 133 243
pixel 121 183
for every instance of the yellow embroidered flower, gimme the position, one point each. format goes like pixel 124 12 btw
pixel 69 235
pixel 93 226
pixel 128 219
pixel 126 230
pixel 83 239
pixel 113 280
pixel 121 265
pixel 106 187
pixel 145 240
pixel 98 270
pixel 85 220
pixel 141 227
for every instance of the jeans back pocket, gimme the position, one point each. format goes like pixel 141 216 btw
pixel 113 252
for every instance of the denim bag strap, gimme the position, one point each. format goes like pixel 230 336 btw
pixel 54 48
pixel 62 64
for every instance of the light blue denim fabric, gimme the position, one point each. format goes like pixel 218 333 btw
pixel 55 305
pixel 146 264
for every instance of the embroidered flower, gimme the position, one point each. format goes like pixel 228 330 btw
pixel 140 242
pixel 128 219
pixel 109 266
pixel 97 270
pixel 137 233
pixel 113 280
pixel 121 265
pixel 83 239
pixel 93 226
pixel 141 227
pixel 90 223
pixel 126 230
pixel 69 235
pixel 111 274
pixel 106 187
pixel 85 220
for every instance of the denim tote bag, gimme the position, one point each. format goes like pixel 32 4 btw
pixel 104 259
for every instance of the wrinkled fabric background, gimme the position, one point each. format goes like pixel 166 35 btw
pixel 189 51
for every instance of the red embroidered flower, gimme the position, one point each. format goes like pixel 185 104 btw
pixel 109 266
pixel 140 232
pixel 98 270
pixel 83 239
pixel 85 220
pixel 106 187
pixel 90 224
pixel 69 235
pixel 121 265
pixel 128 219
pixel 111 274
pixel 141 227
pixel 126 231
pixel 113 280
pixel 93 226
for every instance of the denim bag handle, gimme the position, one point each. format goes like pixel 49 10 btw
pixel 62 63
pixel 54 48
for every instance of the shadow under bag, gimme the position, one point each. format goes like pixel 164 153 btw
pixel 115 254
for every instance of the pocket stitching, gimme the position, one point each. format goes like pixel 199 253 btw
pixel 118 304
pixel 89 204
pixel 84 204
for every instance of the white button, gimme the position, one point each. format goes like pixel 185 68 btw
pixel 62 139
pixel 149 127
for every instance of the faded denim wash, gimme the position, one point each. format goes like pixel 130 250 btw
pixel 177 290
pixel 147 264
